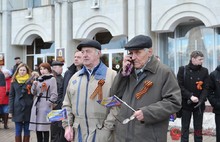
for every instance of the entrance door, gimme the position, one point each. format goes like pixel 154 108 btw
pixel 38 59
pixel 113 58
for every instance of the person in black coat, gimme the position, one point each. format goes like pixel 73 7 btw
pixel 214 98
pixel 76 66
pixel 20 101
pixel 193 80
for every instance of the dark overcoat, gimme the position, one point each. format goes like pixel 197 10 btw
pixel 68 74
pixel 188 85
pixel 214 90
pixel 20 102
pixel 59 80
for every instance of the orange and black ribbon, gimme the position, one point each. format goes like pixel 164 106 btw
pixel 147 85
pixel 98 90
pixel 44 87
pixel 199 85
pixel 28 87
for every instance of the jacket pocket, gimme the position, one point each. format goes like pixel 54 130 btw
pixel 103 135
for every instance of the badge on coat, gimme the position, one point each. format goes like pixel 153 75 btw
pixel 74 82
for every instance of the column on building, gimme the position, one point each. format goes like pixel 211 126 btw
pixel 139 17
pixel 63 30
pixel 6 30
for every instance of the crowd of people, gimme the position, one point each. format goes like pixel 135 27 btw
pixel 27 96
pixel 144 93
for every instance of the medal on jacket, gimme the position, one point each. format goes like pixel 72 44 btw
pixel 98 90
pixel 147 85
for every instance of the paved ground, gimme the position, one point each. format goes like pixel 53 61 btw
pixel 8 135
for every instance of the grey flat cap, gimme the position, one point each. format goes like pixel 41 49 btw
pixel 89 43
pixel 139 42
pixel 57 63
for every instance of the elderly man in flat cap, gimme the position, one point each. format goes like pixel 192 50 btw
pixel 150 88
pixel 57 131
pixel 87 86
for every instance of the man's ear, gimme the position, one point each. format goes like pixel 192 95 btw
pixel 150 51
pixel 99 53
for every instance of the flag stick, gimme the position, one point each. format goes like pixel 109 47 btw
pixel 68 121
pixel 124 103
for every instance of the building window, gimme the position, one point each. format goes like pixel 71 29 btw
pixel 103 37
pixel 34 3
pixel 39 52
pixel 175 48
pixel 43 47
pixel 112 49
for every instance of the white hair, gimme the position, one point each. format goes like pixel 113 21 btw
pixel 146 49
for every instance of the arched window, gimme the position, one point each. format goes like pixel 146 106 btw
pixel 175 48
pixel 39 52
pixel 112 49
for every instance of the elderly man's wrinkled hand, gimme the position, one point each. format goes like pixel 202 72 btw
pixel 139 115
pixel 127 65
pixel 69 133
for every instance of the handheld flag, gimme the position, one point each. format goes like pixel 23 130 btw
pixel 109 102
pixel 124 103
pixel 57 115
